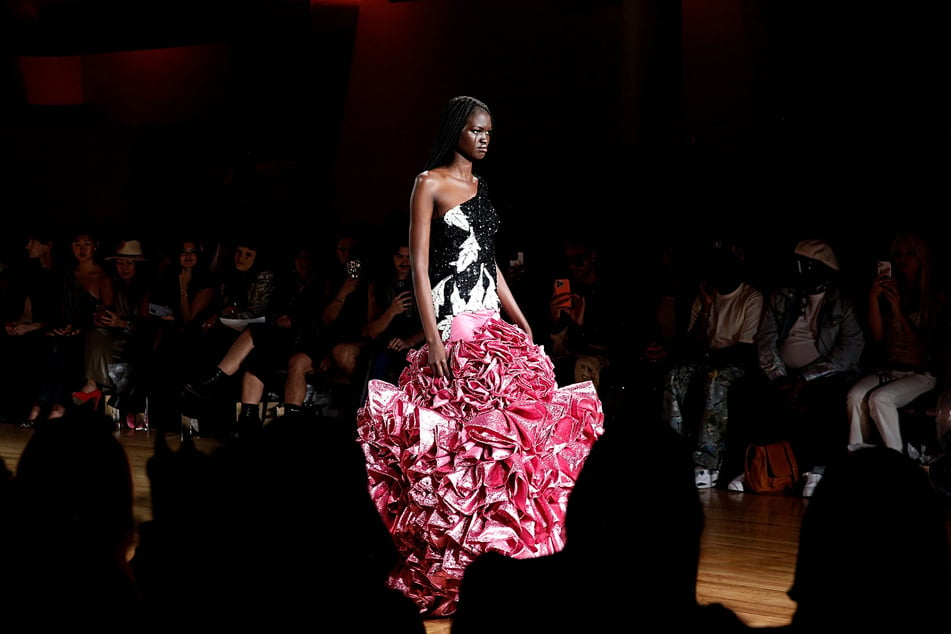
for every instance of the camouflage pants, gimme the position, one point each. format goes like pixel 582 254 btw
pixel 710 431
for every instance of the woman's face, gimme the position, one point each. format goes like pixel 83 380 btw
pixel 188 257
pixel 125 267
pixel 36 249
pixel 474 138
pixel 344 246
pixel 304 265
pixel 905 258
pixel 244 258
pixel 84 247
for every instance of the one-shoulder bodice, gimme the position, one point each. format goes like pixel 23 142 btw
pixel 462 261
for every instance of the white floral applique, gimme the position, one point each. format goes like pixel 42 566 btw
pixel 469 250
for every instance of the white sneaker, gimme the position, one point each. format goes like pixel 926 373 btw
pixel 705 478
pixel 736 484
pixel 812 479
pixel 855 446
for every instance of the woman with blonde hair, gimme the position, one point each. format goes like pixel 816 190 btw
pixel 903 310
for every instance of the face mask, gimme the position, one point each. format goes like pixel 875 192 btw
pixel 811 276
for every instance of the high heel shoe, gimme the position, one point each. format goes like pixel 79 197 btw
pixel 81 398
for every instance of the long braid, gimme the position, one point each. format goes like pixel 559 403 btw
pixel 451 121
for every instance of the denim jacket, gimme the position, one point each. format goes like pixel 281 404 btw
pixel 840 337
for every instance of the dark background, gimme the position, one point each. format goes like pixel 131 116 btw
pixel 639 121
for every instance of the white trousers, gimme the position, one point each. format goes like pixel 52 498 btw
pixel 878 397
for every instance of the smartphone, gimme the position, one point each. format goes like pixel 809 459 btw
pixel 884 268
pixel 159 311
pixel 562 287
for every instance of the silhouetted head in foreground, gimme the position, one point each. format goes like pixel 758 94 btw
pixel 873 548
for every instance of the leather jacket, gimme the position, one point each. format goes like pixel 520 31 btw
pixel 840 339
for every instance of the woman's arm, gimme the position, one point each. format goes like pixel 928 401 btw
pixel 875 319
pixel 422 203
pixel 335 304
pixel 192 307
pixel 377 320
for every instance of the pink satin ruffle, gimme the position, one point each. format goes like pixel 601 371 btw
pixel 484 462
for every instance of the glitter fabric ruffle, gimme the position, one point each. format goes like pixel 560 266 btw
pixel 484 462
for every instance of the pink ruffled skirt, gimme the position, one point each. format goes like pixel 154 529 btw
pixel 484 462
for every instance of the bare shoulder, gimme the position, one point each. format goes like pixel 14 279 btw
pixel 430 179
pixel 426 190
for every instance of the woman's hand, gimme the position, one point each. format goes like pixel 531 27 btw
pixel 398 344
pixel 66 331
pixel 106 318
pixel 349 285
pixel 884 286
pixel 439 361
pixel 401 303
pixel 889 290
pixel 15 329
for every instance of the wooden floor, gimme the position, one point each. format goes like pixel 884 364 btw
pixel 748 550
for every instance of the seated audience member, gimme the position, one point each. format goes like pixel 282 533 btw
pixel 908 345
pixel 132 333
pixel 264 350
pixel 720 350
pixel 80 350
pixel 873 549
pixel 660 320
pixel 588 322
pixel 394 327
pixel 30 389
pixel 183 297
pixel 73 531
pixel 612 575
pixel 810 345
pixel 247 294
pixel 345 317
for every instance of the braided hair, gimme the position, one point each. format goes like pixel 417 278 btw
pixel 454 116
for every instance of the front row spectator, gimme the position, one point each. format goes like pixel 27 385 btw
pixel 810 345
pixel 903 316
pixel 720 350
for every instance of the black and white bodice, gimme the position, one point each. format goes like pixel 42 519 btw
pixel 462 259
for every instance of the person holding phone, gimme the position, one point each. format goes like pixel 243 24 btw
pixel 902 322
pixel 588 321
pixel 477 448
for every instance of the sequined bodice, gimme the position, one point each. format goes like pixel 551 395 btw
pixel 462 259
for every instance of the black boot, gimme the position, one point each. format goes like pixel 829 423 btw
pixel 249 421
pixel 292 409
pixel 203 388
